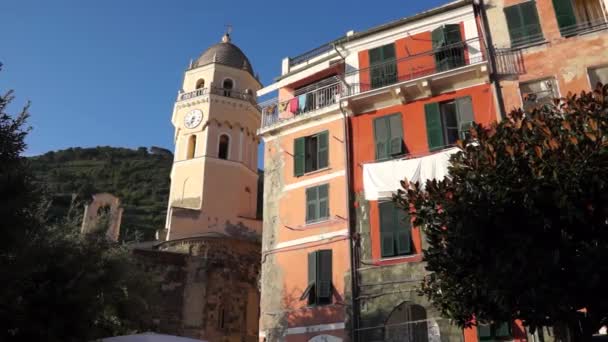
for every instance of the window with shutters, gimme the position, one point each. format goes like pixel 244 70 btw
pixel 319 288
pixel 598 74
pixel 311 153
pixel 448 47
pixel 395 231
pixel 447 122
pixel 579 16
pixel 523 23
pixel 539 93
pixel 496 331
pixel 388 136
pixel 383 66
pixel 317 203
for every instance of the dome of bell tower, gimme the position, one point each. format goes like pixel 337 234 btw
pixel 225 53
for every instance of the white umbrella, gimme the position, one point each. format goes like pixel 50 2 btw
pixel 149 337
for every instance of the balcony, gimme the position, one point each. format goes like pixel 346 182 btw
pixel 310 54
pixel 274 112
pixel 413 76
pixel 245 96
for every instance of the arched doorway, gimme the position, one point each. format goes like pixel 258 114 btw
pixel 228 84
pixel 407 323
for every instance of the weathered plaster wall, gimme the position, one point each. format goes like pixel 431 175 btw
pixel 382 288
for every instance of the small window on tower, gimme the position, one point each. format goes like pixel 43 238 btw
pixel 227 85
pixel 200 84
pixel 191 147
pixel 223 148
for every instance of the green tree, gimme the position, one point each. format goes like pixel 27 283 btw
pixel 520 228
pixel 58 285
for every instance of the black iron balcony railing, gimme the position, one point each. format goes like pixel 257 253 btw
pixel 245 96
pixel 583 27
pixel 274 111
pixel 447 58
pixel 509 62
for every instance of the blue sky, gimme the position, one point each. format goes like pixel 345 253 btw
pixel 107 72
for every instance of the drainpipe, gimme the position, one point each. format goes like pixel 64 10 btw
pixel 352 230
pixel 352 248
pixel 481 8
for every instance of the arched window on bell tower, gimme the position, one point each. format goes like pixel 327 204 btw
pixel 191 146
pixel 200 84
pixel 228 84
pixel 224 145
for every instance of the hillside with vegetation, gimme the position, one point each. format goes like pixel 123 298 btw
pixel 140 178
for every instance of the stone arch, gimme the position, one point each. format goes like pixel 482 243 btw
pixel 408 322
pixel 107 206
pixel 325 338
pixel 200 84
pixel 228 85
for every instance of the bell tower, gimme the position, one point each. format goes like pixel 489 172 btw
pixel 214 178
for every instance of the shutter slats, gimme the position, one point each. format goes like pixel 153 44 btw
pixel 324 274
pixel 323 149
pixel 298 156
pixel 381 137
pixel 565 15
pixel 404 232
pixel 396 130
pixel 434 130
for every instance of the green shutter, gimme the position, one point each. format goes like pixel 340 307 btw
pixel 564 12
pixel 515 24
pixel 529 18
pixel 323 206
pixel 395 143
pixel 438 38
pixel 312 204
pixel 381 137
pixel 403 231
pixel 464 109
pixel 434 131
pixel 323 149
pixel 387 228
pixel 452 34
pixel 312 268
pixel 298 156
pixel 383 72
pixel 324 274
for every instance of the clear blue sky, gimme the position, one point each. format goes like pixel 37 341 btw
pixel 107 72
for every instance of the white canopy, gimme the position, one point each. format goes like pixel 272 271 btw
pixel 149 337
pixel 381 180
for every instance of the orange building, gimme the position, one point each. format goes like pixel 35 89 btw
pixel 351 119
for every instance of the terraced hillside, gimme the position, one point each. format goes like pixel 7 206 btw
pixel 139 177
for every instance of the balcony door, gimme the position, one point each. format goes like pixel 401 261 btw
pixel 383 66
pixel 448 47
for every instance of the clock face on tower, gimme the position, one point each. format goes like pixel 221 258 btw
pixel 193 118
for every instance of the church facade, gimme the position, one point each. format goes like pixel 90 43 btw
pixel 208 256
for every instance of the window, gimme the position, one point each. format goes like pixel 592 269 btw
pixel 311 153
pixel 223 147
pixel 388 136
pixel 576 16
pixel 200 84
pixel 447 44
pixel 317 203
pixel 191 147
pixel 446 122
pixel 524 26
pixel 319 288
pixel 395 230
pixel 494 331
pixel 227 85
pixel 383 66
pixel 599 74
pixel 538 93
